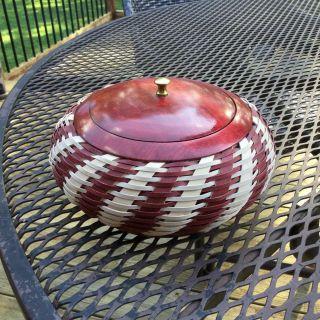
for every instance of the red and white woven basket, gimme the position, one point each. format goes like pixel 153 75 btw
pixel 162 198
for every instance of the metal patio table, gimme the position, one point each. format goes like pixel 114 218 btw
pixel 263 264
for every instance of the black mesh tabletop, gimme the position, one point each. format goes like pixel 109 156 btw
pixel 264 264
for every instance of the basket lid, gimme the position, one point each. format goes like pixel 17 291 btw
pixel 162 119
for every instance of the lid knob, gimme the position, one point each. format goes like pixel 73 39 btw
pixel 162 86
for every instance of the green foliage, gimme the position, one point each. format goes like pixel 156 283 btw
pixel 49 21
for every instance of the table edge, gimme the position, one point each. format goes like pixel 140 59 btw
pixel 32 299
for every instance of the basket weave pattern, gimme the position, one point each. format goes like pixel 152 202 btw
pixel 162 198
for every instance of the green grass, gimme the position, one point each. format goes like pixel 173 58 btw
pixel 49 27
pixel 119 4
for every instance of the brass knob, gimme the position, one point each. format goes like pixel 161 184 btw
pixel 162 86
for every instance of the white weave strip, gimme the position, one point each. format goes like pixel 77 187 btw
pixel 186 204
pixel 65 120
pixel 266 138
pixel 65 144
pixel 269 147
pixel 245 186
pixel 116 211
pixel 72 185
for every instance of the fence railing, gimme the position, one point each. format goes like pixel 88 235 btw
pixel 28 27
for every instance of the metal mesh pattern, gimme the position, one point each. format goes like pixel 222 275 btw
pixel 132 6
pixel 265 262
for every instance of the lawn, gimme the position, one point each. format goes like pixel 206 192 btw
pixel 49 21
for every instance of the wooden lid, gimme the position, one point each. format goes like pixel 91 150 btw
pixel 162 119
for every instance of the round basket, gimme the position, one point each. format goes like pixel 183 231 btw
pixel 177 161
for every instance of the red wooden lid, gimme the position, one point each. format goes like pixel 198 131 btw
pixel 182 120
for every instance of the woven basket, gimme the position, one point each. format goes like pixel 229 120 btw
pixel 155 198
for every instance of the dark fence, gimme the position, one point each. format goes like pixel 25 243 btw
pixel 28 27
